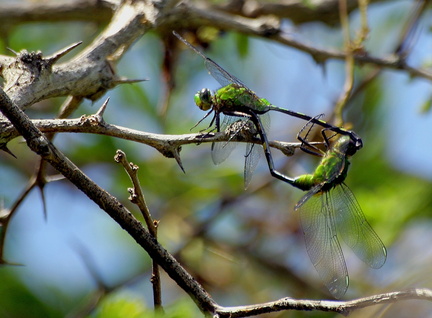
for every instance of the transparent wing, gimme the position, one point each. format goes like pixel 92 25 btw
pixel 252 157
pixel 355 229
pixel 254 151
pixel 222 150
pixel 265 121
pixel 223 77
pixel 322 244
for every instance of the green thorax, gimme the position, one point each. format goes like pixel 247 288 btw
pixel 331 171
pixel 237 98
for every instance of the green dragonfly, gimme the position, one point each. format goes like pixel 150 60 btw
pixel 237 102
pixel 329 211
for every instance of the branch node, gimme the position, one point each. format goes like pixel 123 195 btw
pixel 119 156
pixel 156 223
pixel 133 166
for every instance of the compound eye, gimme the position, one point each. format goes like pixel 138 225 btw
pixel 353 146
pixel 203 99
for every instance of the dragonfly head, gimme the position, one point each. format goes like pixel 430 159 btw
pixel 203 99
pixel 356 143
pixel 347 145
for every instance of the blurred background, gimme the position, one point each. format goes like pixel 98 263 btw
pixel 245 247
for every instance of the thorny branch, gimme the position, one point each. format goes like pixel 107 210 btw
pixel 92 72
pixel 40 145
pixel 168 145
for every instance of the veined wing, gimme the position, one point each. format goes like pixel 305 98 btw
pixel 308 195
pixel 221 150
pixel 322 244
pixel 355 229
pixel 252 157
pixel 254 151
pixel 223 77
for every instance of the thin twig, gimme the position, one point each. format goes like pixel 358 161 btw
pixel 342 307
pixel 200 14
pixel 402 47
pixel 349 65
pixel 39 180
pixel 38 143
pixel 137 197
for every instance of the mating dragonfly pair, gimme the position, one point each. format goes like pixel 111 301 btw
pixel 329 207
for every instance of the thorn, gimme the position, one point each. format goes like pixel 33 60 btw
pixel 44 207
pixel 123 80
pixel 89 263
pixel 324 69
pixel 321 61
pixel 14 52
pixel 6 149
pixel 101 110
pixel 4 262
pixel 54 178
pixel 56 56
pixel 176 154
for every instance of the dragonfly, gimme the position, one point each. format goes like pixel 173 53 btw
pixel 329 211
pixel 237 102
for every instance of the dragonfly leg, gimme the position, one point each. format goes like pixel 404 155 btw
pixel 265 144
pixel 327 139
pixel 306 146
pixel 216 118
pixel 358 143
pixel 208 114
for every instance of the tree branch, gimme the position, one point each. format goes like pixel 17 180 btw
pixel 38 143
pixel 56 11
pixel 168 145
pixel 199 14
pixel 30 77
pixel 342 307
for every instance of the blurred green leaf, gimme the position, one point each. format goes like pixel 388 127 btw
pixel 426 106
pixel 121 307
pixel 242 44
pixel 17 300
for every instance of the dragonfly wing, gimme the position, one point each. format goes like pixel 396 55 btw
pixel 252 157
pixel 322 244
pixel 253 151
pixel 223 77
pixel 355 229
pixel 222 150
pixel 308 195
pixel 265 121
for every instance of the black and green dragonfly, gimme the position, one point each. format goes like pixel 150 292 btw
pixel 329 211
pixel 238 102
